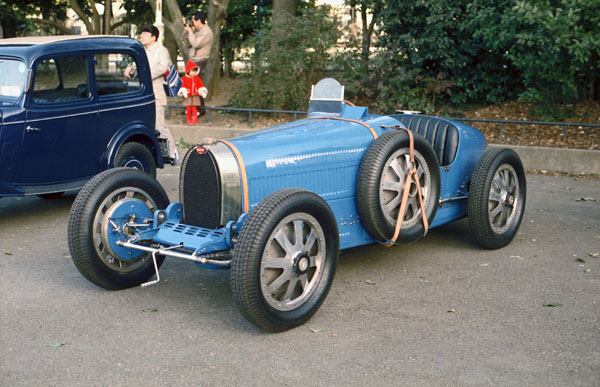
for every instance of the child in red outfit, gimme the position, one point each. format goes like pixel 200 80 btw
pixel 192 89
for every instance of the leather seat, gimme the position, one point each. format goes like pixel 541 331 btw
pixel 441 134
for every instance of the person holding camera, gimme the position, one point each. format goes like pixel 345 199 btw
pixel 200 39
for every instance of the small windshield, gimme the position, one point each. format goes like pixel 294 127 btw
pixel 328 89
pixel 327 96
pixel 13 75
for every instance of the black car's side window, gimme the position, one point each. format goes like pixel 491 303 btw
pixel 111 75
pixel 61 79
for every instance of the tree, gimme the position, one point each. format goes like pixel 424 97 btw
pixel 15 15
pixel 95 23
pixel 244 18
pixel 284 67
pixel 366 8
pixel 217 10
pixel 173 21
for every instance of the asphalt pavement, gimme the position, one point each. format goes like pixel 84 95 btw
pixel 437 312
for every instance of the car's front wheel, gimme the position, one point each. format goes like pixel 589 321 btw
pixel 114 206
pixel 285 259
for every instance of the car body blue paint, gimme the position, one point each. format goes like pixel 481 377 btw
pixel 322 155
pixel 54 147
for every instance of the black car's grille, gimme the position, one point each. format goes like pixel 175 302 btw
pixel 200 189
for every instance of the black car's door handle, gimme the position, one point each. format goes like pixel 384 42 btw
pixel 31 129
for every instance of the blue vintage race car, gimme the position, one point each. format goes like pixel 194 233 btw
pixel 276 206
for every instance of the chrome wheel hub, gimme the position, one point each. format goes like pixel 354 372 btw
pixel 122 214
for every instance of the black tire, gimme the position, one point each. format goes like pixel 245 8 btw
pixel 497 198
pixel 266 277
pixel 88 230
pixel 379 187
pixel 136 155
pixel 51 196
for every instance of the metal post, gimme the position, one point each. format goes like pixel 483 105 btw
pixel 250 118
pixel 158 22
pixel 501 130
pixel 565 132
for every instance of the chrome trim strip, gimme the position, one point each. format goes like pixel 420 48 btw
pixel 86 113
pixel 231 190
pixel 13 123
pixel 64 116
pixel 126 107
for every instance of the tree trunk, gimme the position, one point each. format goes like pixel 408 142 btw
pixel 367 35
pixel 107 17
pixel 92 27
pixel 171 44
pixel 9 28
pixel 228 57
pixel 173 21
pixel 217 10
pixel 283 9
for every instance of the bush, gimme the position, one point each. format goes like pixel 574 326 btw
pixel 286 60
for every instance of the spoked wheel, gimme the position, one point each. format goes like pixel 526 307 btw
pixel 381 181
pixel 497 198
pixel 114 206
pixel 285 259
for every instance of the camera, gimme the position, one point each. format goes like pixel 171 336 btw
pixel 188 22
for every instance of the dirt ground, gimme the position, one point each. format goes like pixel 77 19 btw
pixel 578 137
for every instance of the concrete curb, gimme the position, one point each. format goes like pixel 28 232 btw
pixel 576 161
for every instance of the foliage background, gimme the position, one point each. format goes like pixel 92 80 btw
pixel 419 54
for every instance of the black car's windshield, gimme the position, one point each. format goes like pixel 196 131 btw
pixel 13 75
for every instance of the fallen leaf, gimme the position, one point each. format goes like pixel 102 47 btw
pixel 594 255
pixel 451 311
pixel 569 188
pixel 55 345
pixel 484 264
pixel 313 330
pixel 8 253
pixel 586 200
pixel 150 310
pixel 553 305
pixel 370 282
pixel 579 260
pixel 587 270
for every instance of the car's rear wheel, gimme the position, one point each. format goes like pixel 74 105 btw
pixel 113 206
pixel 285 259
pixel 497 198
pixel 136 155
pixel 381 181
